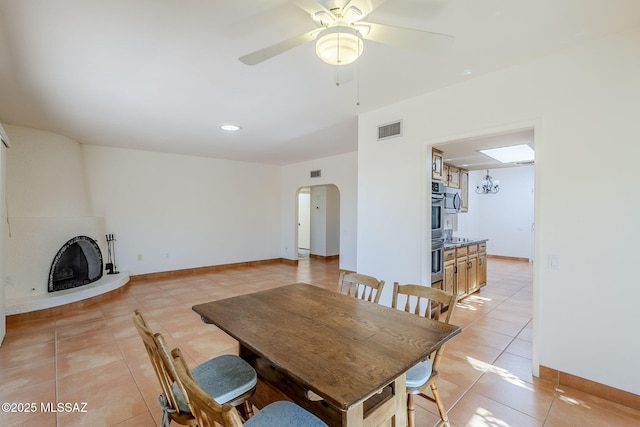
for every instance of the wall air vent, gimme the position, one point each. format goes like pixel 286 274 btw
pixel 390 130
pixel 315 174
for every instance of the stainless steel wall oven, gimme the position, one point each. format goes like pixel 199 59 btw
pixel 437 210
pixel 437 231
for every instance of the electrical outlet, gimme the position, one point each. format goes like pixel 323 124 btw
pixel 139 257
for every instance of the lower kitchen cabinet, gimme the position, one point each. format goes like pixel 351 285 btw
pixel 465 269
pixel 461 271
pixel 449 271
pixel 482 265
pixel 472 269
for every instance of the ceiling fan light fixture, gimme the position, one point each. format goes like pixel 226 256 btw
pixel 339 45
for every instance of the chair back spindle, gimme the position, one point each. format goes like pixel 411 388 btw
pixel 361 286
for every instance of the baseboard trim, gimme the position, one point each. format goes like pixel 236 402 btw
pixel 508 258
pixel 207 269
pixel 560 378
pixel 324 258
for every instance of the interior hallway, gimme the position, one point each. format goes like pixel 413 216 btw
pixel 94 354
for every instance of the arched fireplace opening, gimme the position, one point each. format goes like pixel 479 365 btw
pixel 77 263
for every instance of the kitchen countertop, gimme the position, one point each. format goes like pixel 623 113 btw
pixel 457 242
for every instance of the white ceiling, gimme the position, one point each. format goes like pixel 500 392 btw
pixel 162 75
pixel 464 153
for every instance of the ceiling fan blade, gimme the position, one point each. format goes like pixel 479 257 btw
pixel 365 6
pixel 263 54
pixel 312 7
pixel 406 38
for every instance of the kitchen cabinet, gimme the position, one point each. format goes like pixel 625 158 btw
pixel 437 165
pixel 465 268
pixel 464 190
pixel 482 265
pixel 472 269
pixel 461 271
pixel 451 176
pixel 449 270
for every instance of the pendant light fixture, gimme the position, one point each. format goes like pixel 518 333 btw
pixel 488 185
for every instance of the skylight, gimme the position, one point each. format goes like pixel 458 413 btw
pixel 512 154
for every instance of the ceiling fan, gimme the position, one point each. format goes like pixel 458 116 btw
pixel 341 30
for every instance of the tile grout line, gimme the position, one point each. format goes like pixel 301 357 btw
pixel 55 358
pixel 497 357
pixel 133 377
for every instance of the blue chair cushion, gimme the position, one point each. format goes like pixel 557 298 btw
pixel 223 378
pixel 419 374
pixel 280 414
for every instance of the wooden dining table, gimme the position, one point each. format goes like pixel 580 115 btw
pixel 339 357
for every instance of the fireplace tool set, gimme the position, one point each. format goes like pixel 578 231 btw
pixel 111 255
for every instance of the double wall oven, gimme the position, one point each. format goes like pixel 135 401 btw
pixel 437 231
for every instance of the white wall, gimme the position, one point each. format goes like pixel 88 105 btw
pixel 304 220
pixel 318 220
pixel 171 212
pixel 46 175
pixel 47 204
pixel 333 220
pixel 3 230
pixel 583 103
pixel 325 220
pixel 505 218
pixel 338 170
pixel 175 211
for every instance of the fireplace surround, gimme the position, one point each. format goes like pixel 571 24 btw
pixel 33 243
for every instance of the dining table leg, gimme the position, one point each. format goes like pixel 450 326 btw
pixel 354 416
pixel 400 394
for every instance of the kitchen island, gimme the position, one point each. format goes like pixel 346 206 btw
pixel 465 266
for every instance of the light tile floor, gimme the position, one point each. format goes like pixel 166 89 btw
pixel 94 355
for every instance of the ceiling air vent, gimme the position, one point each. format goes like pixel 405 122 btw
pixel 390 130
pixel 315 174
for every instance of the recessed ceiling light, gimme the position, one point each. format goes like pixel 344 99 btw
pixel 230 127
pixel 514 153
pixel 467 72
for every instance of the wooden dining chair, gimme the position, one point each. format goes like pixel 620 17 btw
pixel 209 413
pixel 428 302
pixel 227 378
pixel 361 286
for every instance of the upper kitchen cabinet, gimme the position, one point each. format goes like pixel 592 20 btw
pixel 437 165
pixel 464 190
pixel 451 176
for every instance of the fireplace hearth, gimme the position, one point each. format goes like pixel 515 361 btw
pixel 77 263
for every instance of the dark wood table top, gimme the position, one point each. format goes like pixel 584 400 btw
pixel 339 347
